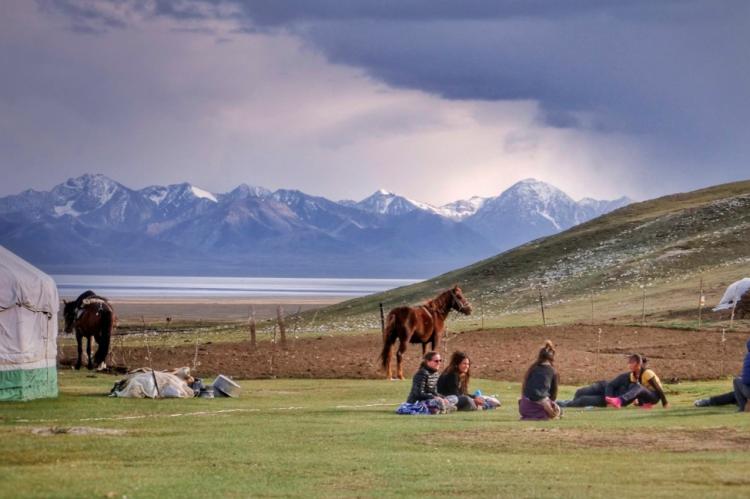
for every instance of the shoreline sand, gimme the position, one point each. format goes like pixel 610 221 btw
pixel 212 308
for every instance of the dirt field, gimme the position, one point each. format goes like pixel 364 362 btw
pixel 496 354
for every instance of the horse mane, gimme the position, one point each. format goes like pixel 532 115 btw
pixel 441 303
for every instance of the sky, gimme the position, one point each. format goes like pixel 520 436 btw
pixel 436 100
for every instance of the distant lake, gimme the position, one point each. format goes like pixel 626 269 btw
pixel 119 286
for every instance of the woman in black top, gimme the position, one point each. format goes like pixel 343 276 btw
pixel 454 382
pixel 539 389
pixel 424 382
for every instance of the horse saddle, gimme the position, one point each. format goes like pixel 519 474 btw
pixel 99 302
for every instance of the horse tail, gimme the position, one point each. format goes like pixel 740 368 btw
pixel 389 338
pixel 106 325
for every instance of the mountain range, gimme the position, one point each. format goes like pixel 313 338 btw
pixel 647 262
pixel 93 224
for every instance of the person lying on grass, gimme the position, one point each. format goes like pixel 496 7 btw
pixel 741 392
pixel 645 389
pixel 424 383
pixel 539 389
pixel 593 395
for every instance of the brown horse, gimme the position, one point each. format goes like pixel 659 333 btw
pixel 91 316
pixel 423 324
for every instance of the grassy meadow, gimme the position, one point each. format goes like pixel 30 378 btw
pixel 342 438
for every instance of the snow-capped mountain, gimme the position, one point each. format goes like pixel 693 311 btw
pixel 530 209
pixel 95 221
pixel 463 208
pixel 387 203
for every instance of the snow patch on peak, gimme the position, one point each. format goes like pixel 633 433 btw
pixel 384 192
pixel 458 210
pixel 66 209
pixel 200 193
pixel 549 217
pixel 158 195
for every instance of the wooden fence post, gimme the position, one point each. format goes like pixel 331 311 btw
pixel 643 307
pixel 481 308
pixel 382 319
pixel 282 329
pixel 701 303
pixel 251 320
pixel 541 304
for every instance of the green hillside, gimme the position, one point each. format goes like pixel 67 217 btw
pixel 663 246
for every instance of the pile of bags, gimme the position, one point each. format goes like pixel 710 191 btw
pixel 178 383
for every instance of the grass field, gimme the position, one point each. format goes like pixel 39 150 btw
pixel 342 438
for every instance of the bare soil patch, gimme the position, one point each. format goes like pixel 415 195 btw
pixel 502 354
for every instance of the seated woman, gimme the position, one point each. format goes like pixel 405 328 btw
pixel 453 384
pixel 645 389
pixel 593 395
pixel 539 389
pixel 424 387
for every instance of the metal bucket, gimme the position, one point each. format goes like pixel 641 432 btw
pixel 225 387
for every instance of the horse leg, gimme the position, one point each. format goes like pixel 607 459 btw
pixel 90 364
pixel 79 343
pixel 400 356
pixel 387 360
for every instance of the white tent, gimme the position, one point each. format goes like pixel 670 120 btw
pixel 28 330
pixel 733 294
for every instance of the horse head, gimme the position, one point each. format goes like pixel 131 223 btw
pixel 459 303
pixel 69 313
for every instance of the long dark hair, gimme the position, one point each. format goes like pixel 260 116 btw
pixel 463 379
pixel 546 354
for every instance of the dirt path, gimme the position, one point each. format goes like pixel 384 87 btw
pixel 500 354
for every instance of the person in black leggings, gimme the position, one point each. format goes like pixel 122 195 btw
pixel 594 394
pixel 741 394
pixel 645 388
pixel 723 399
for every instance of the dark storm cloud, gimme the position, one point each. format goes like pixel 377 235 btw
pixel 672 68
pixel 670 79
pixel 673 74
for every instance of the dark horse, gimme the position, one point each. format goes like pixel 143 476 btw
pixel 423 324
pixel 91 316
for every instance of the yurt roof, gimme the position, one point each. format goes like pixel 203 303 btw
pixel 22 283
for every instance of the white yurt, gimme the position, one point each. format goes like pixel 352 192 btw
pixel 733 295
pixel 28 330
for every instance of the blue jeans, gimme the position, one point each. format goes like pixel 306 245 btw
pixel 741 393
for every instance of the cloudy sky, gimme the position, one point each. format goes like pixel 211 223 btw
pixel 437 100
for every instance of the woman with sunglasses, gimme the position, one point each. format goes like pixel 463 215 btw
pixel 424 382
